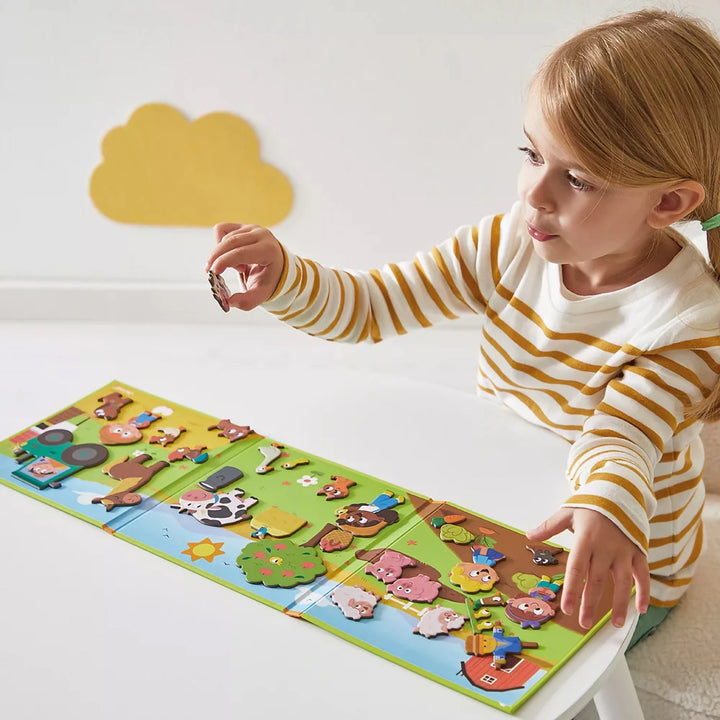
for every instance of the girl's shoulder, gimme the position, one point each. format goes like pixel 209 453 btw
pixel 693 277
pixel 693 290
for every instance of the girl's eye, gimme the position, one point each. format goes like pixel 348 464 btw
pixel 531 155
pixel 578 184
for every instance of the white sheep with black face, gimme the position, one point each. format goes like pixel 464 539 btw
pixel 216 509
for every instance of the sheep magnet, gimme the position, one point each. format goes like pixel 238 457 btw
pixel 439 620
pixel 355 602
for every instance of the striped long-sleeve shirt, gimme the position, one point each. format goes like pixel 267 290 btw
pixel 612 373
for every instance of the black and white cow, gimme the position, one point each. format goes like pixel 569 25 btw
pixel 216 509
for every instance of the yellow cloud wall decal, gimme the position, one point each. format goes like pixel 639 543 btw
pixel 161 169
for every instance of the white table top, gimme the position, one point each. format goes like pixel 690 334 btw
pixel 96 628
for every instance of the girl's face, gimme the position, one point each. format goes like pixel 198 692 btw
pixel 598 232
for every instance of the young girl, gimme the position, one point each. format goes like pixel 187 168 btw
pixel 601 322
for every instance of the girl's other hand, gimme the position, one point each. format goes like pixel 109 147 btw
pixel 600 550
pixel 256 255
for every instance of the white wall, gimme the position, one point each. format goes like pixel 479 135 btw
pixel 395 120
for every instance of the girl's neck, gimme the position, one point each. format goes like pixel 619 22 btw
pixel 586 279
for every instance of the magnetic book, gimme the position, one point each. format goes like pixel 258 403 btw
pixel 446 592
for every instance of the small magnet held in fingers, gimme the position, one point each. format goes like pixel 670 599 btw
pixel 220 290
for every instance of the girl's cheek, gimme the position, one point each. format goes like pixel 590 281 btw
pixel 522 182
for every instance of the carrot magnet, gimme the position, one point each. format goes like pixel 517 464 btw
pixel 440 520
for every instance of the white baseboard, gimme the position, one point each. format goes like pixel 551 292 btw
pixel 57 301
pixel 112 302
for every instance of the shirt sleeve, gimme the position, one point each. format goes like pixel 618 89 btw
pixel 641 418
pixel 450 280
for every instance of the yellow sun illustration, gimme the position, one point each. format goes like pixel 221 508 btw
pixel 204 550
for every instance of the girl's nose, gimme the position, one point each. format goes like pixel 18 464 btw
pixel 539 194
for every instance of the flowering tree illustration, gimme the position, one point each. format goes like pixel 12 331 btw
pixel 280 563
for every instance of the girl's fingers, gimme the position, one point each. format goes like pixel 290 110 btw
pixel 641 573
pixel 233 240
pixel 574 582
pixel 256 255
pixel 623 583
pixel 597 577
pixel 556 523
pixel 249 299
pixel 222 229
pixel 249 256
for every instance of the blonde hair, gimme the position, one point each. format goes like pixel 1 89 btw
pixel 636 100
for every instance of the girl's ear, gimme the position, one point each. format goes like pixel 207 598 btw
pixel 677 201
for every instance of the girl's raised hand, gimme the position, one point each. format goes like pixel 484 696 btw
pixel 256 255
pixel 600 551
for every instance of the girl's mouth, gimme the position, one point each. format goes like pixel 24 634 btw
pixel 538 235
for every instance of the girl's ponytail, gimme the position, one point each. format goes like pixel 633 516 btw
pixel 709 409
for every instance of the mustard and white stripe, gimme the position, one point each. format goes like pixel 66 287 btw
pixel 612 374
